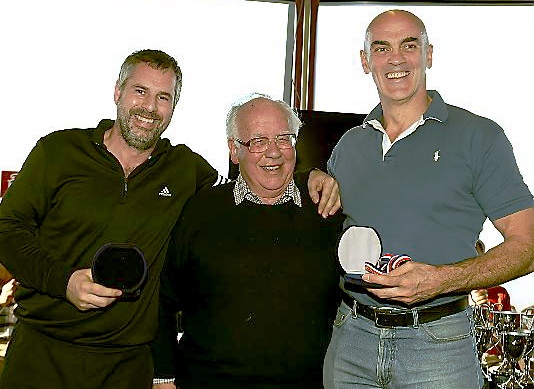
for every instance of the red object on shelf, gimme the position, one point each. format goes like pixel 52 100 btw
pixel 7 179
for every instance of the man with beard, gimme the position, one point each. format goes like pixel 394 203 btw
pixel 78 191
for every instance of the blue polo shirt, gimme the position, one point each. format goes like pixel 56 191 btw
pixel 430 193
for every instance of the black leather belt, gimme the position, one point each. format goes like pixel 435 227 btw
pixel 387 317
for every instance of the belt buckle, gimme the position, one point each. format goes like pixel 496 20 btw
pixel 383 312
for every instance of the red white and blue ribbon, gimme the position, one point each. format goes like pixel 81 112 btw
pixel 387 263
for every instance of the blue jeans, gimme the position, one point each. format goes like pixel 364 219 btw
pixel 436 355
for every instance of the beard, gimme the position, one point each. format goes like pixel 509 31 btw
pixel 137 137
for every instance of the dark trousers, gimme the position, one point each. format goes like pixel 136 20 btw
pixel 37 361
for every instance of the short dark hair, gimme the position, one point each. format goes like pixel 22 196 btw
pixel 156 59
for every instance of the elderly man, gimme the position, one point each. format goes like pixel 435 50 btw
pixel 252 266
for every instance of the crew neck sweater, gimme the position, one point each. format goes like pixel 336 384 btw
pixel 258 286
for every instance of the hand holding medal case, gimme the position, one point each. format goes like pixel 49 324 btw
pixel 120 266
pixel 360 251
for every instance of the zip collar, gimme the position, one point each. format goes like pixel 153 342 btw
pixel 162 145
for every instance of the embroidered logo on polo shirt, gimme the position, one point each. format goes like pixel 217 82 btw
pixel 165 192
pixel 436 155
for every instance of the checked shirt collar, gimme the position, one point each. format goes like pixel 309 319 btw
pixel 242 192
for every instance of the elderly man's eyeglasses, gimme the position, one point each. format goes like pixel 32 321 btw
pixel 261 144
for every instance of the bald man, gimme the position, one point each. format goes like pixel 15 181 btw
pixel 425 175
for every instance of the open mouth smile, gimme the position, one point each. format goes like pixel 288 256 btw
pixel 144 119
pixel 271 168
pixel 396 75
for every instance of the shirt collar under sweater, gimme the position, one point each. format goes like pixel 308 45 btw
pixel 242 192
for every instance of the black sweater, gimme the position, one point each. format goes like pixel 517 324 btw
pixel 258 287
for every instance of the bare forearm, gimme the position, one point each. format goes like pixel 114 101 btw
pixel 509 260
pixel 414 282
